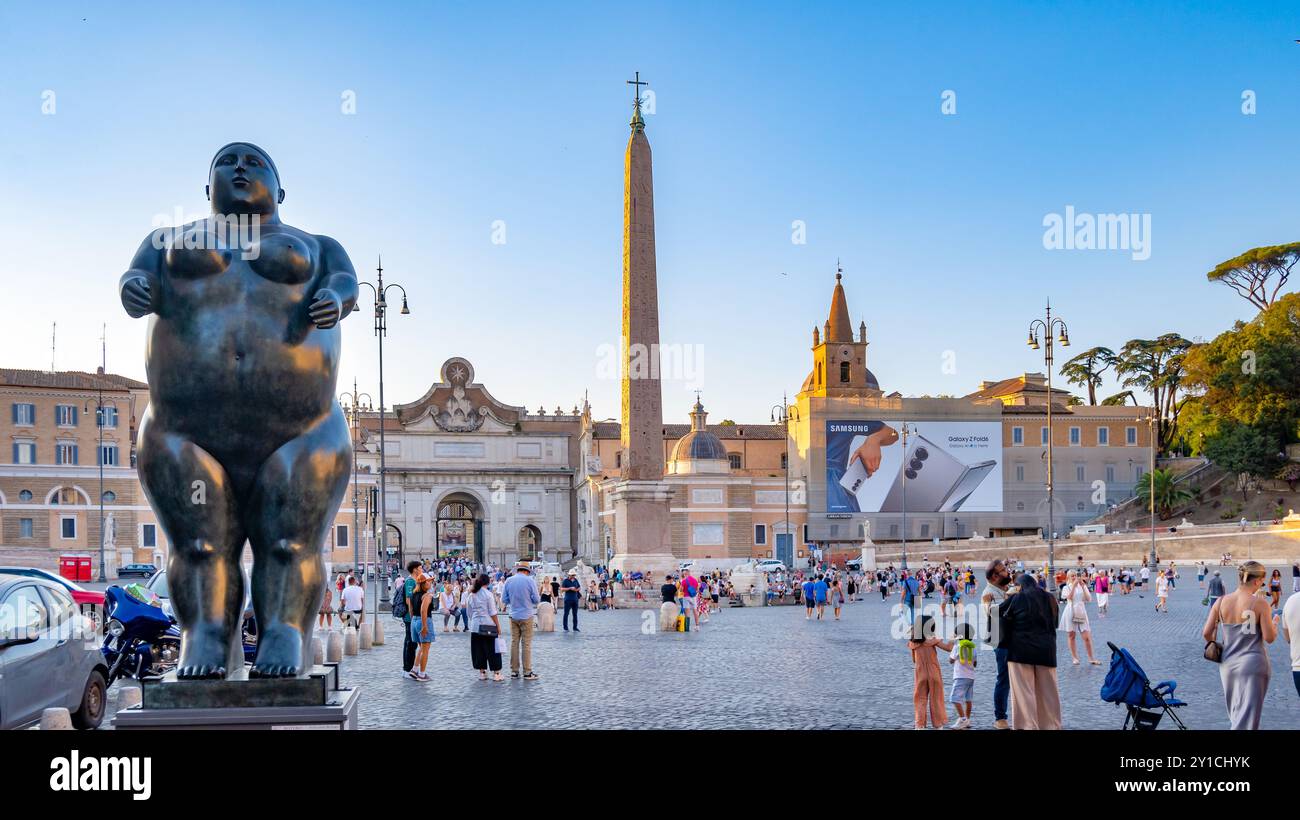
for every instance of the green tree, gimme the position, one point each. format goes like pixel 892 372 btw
pixel 1086 369
pixel 1119 399
pixel 1244 450
pixel 1155 366
pixel 1251 373
pixel 1169 496
pixel 1259 274
pixel 1290 473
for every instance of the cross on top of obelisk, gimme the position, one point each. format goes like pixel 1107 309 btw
pixel 637 122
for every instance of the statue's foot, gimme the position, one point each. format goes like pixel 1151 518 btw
pixel 279 653
pixel 203 655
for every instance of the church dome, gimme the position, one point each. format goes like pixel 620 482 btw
pixel 699 451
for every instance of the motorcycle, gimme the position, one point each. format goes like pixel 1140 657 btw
pixel 142 640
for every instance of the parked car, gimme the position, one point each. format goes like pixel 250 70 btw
pixel 79 594
pixel 48 655
pixel 770 565
pixel 137 571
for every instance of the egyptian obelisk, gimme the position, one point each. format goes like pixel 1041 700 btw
pixel 641 498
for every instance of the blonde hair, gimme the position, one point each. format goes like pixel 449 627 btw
pixel 1250 571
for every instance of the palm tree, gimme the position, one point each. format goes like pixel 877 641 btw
pixel 1086 369
pixel 1169 496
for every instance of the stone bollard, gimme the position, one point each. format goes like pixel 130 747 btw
pixel 334 647
pixel 365 638
pixel 128 696
pixel 379 633
pixel 56 717
pixel 317 651
pixel 350 641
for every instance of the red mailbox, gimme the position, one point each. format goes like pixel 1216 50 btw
pixel 75 567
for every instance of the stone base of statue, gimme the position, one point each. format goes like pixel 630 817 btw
pixel 316 701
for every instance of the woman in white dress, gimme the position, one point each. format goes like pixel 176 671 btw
pixel 1074 616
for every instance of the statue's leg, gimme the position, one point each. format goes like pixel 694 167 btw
pixel 192 495
pixel 292 505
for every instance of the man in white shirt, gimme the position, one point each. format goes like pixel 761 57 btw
pixel 1291 631
pixel 354 600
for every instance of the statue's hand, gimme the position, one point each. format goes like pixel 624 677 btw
pixel 138 297
pixel 326 309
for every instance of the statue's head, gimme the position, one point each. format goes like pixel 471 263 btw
pixel 243 179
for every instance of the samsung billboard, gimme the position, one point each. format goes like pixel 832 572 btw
pixel 949 466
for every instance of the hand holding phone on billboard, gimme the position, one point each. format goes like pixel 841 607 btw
pixel 868 453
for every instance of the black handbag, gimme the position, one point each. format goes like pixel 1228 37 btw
pixel 488 629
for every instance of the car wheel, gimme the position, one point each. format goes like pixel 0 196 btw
pixel 93 701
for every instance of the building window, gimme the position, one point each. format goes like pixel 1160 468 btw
pixel 1017 436
pixel 24 414
pixel 1076 436
pixel 1110 473
pixel 733 459
pixel 107 416
pixel 618 460
pixel 844 372
pixel 760 534
pixel 108 455
pixel 893 530
pixel 925 530
pixel 785 461
pixel 68 527
pixel 149 535
pixel 24 495
pixel 1138 472
pixel 1103 436
pixel 1130 436
pixel 65 495
pixel 805 533
pixel 1020 472
pixel 1078 473
pixel 24 452
pixel 65 415
pixel 109 496
pixel 341 535
pixel 65 453
pixel 1043 435
pixel 24 528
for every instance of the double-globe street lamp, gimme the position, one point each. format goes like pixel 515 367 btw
pixel 353 407
pixel 906 430
pixel 1047 327
pixel 380 293
pixel 784 413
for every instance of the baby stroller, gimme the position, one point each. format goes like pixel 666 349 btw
pixel 1127 684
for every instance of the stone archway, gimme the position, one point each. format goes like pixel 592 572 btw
pixel 528 543
pixel 458 526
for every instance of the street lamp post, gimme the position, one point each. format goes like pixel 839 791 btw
pixel 907 430
pixel 783 413
pixel 380 293
pixel 1151 425
pixel 1048 326
pixel 353 407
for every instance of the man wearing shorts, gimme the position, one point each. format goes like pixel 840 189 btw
pixel 808 601
pixel 690 588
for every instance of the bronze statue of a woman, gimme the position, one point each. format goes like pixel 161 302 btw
pixel 243 438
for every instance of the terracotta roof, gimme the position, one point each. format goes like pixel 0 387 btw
pixel 1009 387
pixel 68 380
pixel 612 430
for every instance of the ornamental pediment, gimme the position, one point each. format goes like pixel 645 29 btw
pixel 458 404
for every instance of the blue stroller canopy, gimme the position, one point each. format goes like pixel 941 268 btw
pixel 1126 683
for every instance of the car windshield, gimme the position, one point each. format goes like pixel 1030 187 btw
pixel 158 585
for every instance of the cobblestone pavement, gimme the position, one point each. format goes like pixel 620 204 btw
pixel 771 668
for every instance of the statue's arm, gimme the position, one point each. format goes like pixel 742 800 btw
pixel 140 287
pixel 337 294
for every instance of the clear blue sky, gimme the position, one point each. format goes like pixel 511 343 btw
pixel 765 113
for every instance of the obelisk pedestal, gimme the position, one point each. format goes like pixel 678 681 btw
pixel 641 531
